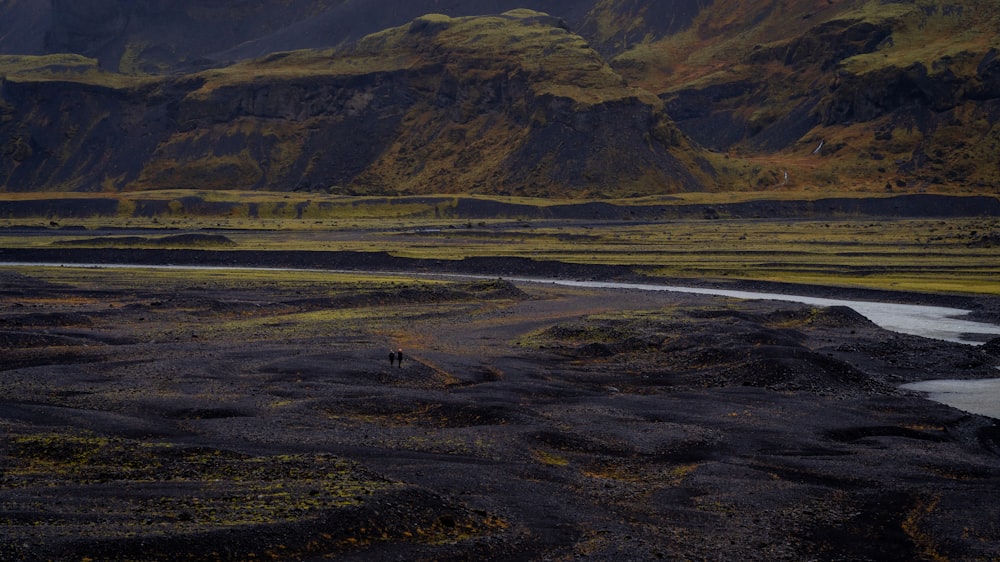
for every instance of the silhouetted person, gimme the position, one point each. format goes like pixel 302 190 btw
pixel 399 356
pixel 392 358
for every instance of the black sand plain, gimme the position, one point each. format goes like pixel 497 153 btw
pixel 258 420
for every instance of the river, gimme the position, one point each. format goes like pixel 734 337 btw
pixel 934 322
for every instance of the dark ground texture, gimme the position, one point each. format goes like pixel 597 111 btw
pixel 242 418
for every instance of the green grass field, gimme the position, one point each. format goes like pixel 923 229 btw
pixel 933 255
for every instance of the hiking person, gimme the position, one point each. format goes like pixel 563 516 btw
pixel 392 358
pixel 399 356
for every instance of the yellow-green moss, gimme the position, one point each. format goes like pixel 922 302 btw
pixel 550 458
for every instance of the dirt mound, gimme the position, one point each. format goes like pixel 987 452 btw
pixel 830 317
pixel 496 288
pixel 778 367
pixel 721 347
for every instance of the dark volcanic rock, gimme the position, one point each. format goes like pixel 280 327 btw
pixel 74 129
pixel 249 418
pixel 992 347
pixel 869 96
pixel 827 44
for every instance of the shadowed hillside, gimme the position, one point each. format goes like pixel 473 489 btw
pixel 892 93
pixel 351 97
pixel 504 104
pixel 150 36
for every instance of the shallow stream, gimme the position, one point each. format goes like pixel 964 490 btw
pixel 942 323
pixel 937 322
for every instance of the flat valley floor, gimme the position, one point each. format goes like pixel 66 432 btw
pixel 221 416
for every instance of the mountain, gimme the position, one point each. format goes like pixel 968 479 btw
pixel 513 103
pixel 591 98
pixel 886 92
pixel 155 35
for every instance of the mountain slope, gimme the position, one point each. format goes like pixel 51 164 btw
pixel 156 36
pixel 439 105
pixel 23 25
pixel 869 95
pixel 896 92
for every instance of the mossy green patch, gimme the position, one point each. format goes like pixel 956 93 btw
pixel 549 458
pixel 561 63
pixel 65 67
pixel 949 254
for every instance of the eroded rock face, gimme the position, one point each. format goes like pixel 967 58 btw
pixel 78 136
pixel 920 101
pixel 612 142
pixel 869 96
pixel 827 44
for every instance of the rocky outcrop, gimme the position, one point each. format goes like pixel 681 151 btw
pixel 826 44
pixel 614 144
pixel 75 136
pixel 718 114
pixel 867 97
